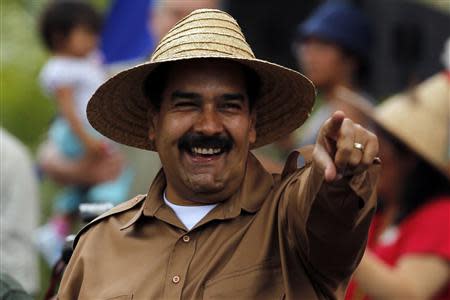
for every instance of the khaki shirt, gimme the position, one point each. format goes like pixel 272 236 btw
pixel 284 236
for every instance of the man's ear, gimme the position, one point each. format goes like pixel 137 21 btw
pixel 252 132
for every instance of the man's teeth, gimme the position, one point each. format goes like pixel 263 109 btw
pixel 210 151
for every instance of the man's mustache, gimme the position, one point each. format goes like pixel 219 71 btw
pixel 191 140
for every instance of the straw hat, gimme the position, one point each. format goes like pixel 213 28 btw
pixel 420 119
pixel 119 109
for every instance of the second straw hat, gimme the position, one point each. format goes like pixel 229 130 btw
pixel 420 119
pixel 119 109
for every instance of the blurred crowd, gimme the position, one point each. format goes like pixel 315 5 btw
pixel 408 249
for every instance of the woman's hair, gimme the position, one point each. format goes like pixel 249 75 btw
pixel 60 17
pixel 422 185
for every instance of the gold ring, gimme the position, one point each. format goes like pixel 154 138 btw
pixel 359 146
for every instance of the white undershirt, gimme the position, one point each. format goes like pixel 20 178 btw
pixel 189 215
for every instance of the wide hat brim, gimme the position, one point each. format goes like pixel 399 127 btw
pixel 119 109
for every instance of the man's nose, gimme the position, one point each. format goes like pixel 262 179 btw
pixel 208 122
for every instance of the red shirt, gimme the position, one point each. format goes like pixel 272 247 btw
pixel 426 231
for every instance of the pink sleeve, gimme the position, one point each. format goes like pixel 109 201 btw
pixel 428 230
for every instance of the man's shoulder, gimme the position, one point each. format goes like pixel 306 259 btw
pixel 297 161
pixel 123 211
pixel 122 207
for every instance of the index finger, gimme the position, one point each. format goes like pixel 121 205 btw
pixel 333 125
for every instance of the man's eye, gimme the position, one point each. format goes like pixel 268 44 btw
pixel 184 104
pixel 232 105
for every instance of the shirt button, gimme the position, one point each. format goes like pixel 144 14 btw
pixel 176 279
pixel 186 239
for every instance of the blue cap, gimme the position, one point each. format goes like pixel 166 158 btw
pixel 340 23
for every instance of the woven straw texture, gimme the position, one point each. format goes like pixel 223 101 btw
pixel 119 109
pixel 420 119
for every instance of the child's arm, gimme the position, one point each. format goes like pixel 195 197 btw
pixel 66 106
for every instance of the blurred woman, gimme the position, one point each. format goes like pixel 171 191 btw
pixel 409 246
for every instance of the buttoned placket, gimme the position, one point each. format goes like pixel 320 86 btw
pixel 184 247
pixel 181 256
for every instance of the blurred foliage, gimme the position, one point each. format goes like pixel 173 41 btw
pixel 25 112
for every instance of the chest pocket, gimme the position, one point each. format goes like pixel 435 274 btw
pixel 262 281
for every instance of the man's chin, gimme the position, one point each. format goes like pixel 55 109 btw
pixel 206 190
pixel 199 185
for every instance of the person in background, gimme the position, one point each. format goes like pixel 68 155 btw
pixel 69 30
pixel 332 48
pixel 147 21
pixel 166 13
pixel 408 255
pixel 86 171
pixel 19 214
pixel 123 46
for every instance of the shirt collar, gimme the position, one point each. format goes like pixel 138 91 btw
pixel 154 199
pixel 255 188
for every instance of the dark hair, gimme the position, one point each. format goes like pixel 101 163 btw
pixel 155 83
pixel 422 185
pixel 60 17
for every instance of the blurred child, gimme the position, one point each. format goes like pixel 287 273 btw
pixel 70 30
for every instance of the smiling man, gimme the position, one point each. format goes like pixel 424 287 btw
pixel 203 129
pixel 215 224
